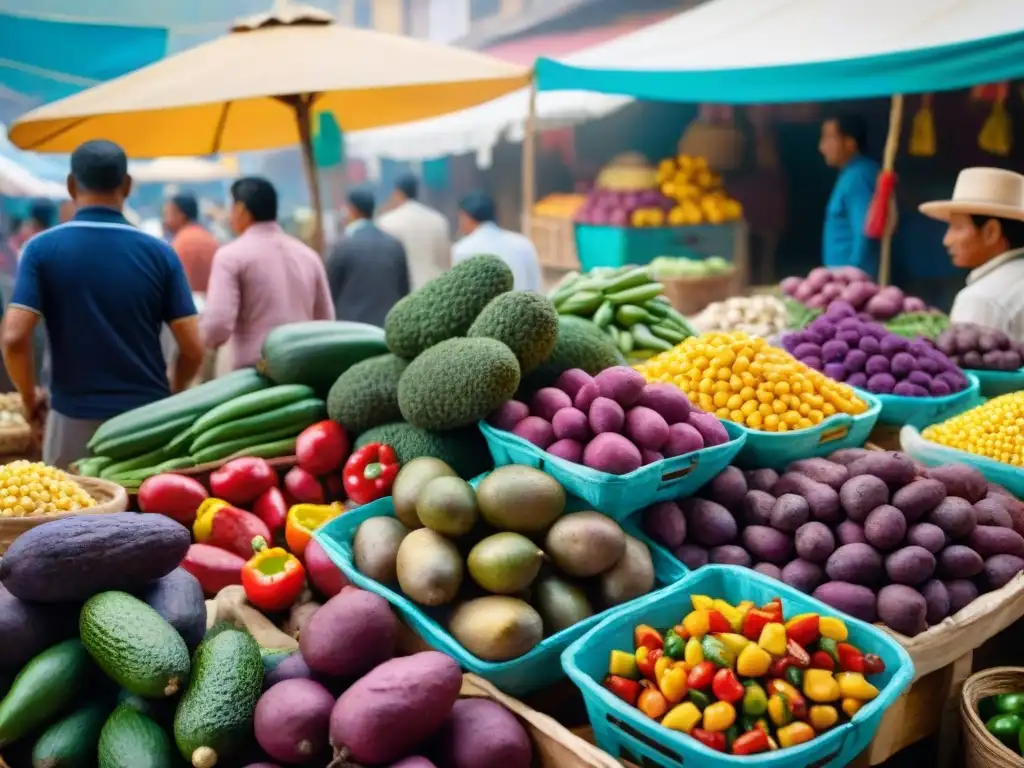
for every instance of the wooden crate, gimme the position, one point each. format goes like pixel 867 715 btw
pixel 555 240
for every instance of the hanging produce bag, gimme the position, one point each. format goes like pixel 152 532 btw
pixel 922 130
pixel 996 135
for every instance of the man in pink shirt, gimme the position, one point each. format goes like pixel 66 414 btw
pixel 263 279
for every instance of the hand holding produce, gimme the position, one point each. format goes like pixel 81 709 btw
pixel 866 355
pixel 801 675
pixel 745 380
pixel 977 348
pixel 994 430
pixel 273 578
pixel 33 488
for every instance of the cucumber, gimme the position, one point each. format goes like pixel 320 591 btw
pixel 255 402
pixel 630 314
pixel 632 278
pixel 180 443
pixel 300 415
pixel 564 286
pixel 626 343
pixel 656 308
pixel 637 295
pixel 139 462
pixel 192 402
pixel 71 741
pixel 668 333
pixel 144 440
pixel 604 315
pixel 131 740
pixel 135 477
pixel 92 466
pixel 581 303
pixel 231 447
pixel 273 450
pixel 44 687
pixel 646 340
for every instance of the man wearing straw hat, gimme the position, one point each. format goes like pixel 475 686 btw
pixel 986 236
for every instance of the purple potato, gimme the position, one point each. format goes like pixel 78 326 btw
pixel 508 415
pixel 665 523
pixel 802 575
pixel 814 542
pixel 730 554
pixel 770 570
pixel 692 556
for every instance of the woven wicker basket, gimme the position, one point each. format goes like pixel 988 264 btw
pixel 109 497
pixel 689 295
pixel 982 749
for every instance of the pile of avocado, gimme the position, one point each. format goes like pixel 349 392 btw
pixel 460 346
pixel 502 564
pixel 1004 718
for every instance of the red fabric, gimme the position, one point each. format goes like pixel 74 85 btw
pixel 562 141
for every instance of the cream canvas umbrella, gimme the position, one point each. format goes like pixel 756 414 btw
pixel 183 170
pixel 260 86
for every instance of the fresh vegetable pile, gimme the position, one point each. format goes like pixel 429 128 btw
pixel 763 316
pixel 747 381
pixel 994 430
pixel 614 422
pixel 871 533
pixel 866 355
pixel 822 286
pixel 696 191
pixel 627 305
pixel 745 679
pixel 687 268
pixel 1003 715
pixel 440 518
pixel 979 348
pixel 33 488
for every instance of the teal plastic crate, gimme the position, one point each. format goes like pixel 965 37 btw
pixel 995 383
pixel 517 677
pixel 619 496
pixel 606 246
pixel 625 733
pixel 933 454
pixel 776 450
pixel 921 412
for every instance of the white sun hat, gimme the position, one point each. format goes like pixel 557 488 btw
pixel 990 192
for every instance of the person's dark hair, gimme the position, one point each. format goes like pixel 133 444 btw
pixel 478 206
pixel 1012 229
pixel 99 166
pixel 43 212
pixel 258 196
pixel 361 198
pixel 188 205
pixel 852 127
pixel 408 185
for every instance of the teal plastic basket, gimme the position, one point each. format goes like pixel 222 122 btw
pixel 921 412
pixel 995 383
pixel 517 677
pixel 776 450
pixel 933 454
pixel 608 246
pixel 626 733
pixel 619 496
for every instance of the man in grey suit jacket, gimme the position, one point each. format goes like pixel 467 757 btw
pixel 367 269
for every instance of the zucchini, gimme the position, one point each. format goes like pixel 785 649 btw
pixel 229 447
pixel 255 402
pixel 134 478
pixel 564 286
pixel 192 402
pixel 141 441
pixel 297 415
pixel 318 352
pixel 271 450
pixel 92 466
pixel 139 462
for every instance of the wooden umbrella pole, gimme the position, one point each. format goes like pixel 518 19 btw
pixel 892 146
pixel 304 117
pixel 530 158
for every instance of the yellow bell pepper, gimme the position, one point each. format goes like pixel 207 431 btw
pixel 204 517
pixel 719 716
pixel 682 717
pixel 623 664
pixel 794 733
pixel 697 623
pixel 693 654
pixel 778 710
pixel 735 643
pixel 753 661
pixel 833 628
pixel 851 707
pixel 673 684
pixel 702 602
pixel 662 665
pixel 773 639
pixel 853 685
pixel 820 686
pixel 822 717
pixel 733 616
pixel 742 609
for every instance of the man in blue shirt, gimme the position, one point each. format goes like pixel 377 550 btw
pixel 843 241
pixel 104 289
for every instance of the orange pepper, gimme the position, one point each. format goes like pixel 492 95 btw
pixel 303 519
pixel 673 684
pixel 651 702
pixel 647 637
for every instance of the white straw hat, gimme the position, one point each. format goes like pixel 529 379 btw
pixel 982 192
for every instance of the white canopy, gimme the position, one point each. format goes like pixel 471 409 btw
pixel 183 170
pixel 16 181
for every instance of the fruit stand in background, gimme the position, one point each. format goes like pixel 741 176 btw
pixel 553 232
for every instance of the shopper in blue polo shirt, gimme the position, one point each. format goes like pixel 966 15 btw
pixel 104 289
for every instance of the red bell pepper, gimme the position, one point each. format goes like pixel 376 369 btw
pixel 273 578
pixel 647 637
pixel 711 739
pixel 803 629
pixel 272 509
pixel 322 447
pixel 240 481
pixel 717 622
pixel 369 473
pixel 751 743
pixel 850 658
pixel 797 654
pixel 774 607
pixel 778 667
pixel 754 622
pixel 646 660
pixel 176 496
pixel 222 525
pixel 821 660
pixel 727 687
pixel 873 664
pixel 701 676
pixel 625 689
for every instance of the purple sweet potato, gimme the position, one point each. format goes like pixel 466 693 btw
pixel 856 564
pixel 292 720
pixel 990 540
pixel 682 439
pixel 861 494
pixel 480 733
pixel 692 556
pixel 757 508
pixel 789 512
pixel 892 467
pixel 350 634
pixel 568 449
pixel 846 456
pixel 885 527
pixel 992 511
pixel 814 542
pixel 730 554
pixel 962 592
pixel 646 428
pixel 572 381
pixel 710 428
pixel 585 396
pixel 955 516
pixel 849 532
pixel 571 423
pixel 606 415
pixel 292 668
pixel 535 430
pixel 821 471
pixel 767 544
pixel 959 562
pixel 802 575
pixel 621 384
pixel 612 453
pixel 822 500
pixel 508 415
pixel 761 479
pixel 926 535
pixel 910 565
pixel 771 570
pixel 728 488
pixel 668 400
pixel 903 609
pixel 548 401
pixel 665 523
pixel 961 480
pixel 854 599
pixel 708 523
pixel 919 498
pixel 1000 570
pixel 936 597
pixel 650 457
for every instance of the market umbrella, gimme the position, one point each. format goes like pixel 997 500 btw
pixel 260 86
